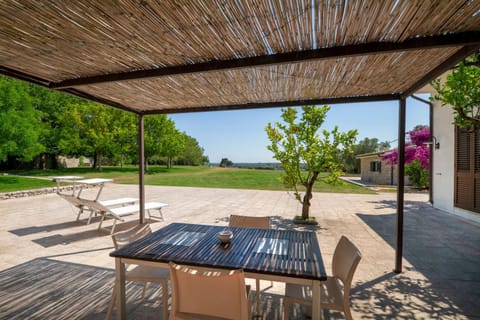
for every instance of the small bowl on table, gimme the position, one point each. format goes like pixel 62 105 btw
pixel 225 236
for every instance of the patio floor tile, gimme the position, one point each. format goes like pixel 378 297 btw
pixel 53 267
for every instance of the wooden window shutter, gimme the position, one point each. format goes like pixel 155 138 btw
pixel 476 177
pixel 463 150
pixel 467 169
pixel 375 166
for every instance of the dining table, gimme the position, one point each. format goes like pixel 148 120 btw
pixel 92 181
pixel 79 182
pixel 289 256
pixel 60 179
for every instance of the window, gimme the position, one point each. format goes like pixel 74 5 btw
pixel 467 169
pixel 375 166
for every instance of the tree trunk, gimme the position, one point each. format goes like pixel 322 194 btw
pixel 100 163
pixel 95 160
pixel 121 157
pixel 308 196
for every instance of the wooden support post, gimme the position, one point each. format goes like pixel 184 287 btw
pixel 141 167
pixel 400 184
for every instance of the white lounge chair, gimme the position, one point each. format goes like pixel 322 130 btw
pixel 77 203
pixel 119 212
pixel 118 202
pixel 82 204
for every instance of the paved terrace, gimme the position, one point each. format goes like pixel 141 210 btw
pixel 53 267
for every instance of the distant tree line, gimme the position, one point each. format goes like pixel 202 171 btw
pixel 37 125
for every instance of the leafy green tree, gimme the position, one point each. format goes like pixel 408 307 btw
pixel 20 125
pixel 154 131
pixel 193 154
pixel 225 163
pixel 56 110
pixel 462 91
pixel 367 145
pixel 68 128
pixel 37 124
pixel 418 175
pixel 125 135
pixel 158 131
pixel 96 134
pixel 304 154
pixel 173 143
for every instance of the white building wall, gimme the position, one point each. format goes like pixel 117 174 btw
pixel 443 158
pixel 444 163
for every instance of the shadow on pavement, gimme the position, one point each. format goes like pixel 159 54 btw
pixel 49 289
pixel 443 248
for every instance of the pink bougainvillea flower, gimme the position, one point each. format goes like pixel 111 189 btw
pixel 420 135
pixel 416 150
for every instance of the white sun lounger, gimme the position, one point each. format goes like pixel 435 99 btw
pixel 119 212
pixel 76 202
pixel 83 204
pixel 118 202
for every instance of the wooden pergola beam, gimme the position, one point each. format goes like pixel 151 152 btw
pixel 277 104
pixel 24 76
pixel 45 83
pixel 442 68
pixel 100 100
pixel 428 42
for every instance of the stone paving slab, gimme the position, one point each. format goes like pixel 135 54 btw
pixel 54 267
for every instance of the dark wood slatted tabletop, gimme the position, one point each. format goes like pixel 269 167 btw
pixel 276 252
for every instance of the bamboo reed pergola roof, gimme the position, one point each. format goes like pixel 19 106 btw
pixel 175 56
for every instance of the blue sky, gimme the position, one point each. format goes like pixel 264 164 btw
pixel 240 135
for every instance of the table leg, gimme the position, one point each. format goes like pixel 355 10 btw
pixel 99 191
pixel 79 190
pixel 120 287
pixel 316 311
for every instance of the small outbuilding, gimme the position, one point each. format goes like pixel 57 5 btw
pixel 374 170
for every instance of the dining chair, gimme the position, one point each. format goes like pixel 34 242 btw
pixel 335 292
pixel 204 293
pixel 251 222
pixel 141 273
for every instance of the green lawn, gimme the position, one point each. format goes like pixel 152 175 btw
pixel 11 183
pixel 209 177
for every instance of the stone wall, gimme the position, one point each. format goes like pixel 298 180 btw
pixel 36 192
pixel 67 162
pixel 384 176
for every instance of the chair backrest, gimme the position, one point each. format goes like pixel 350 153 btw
pixel 198 292
pixel 345 261
pixel 122 238
pixel 249 222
